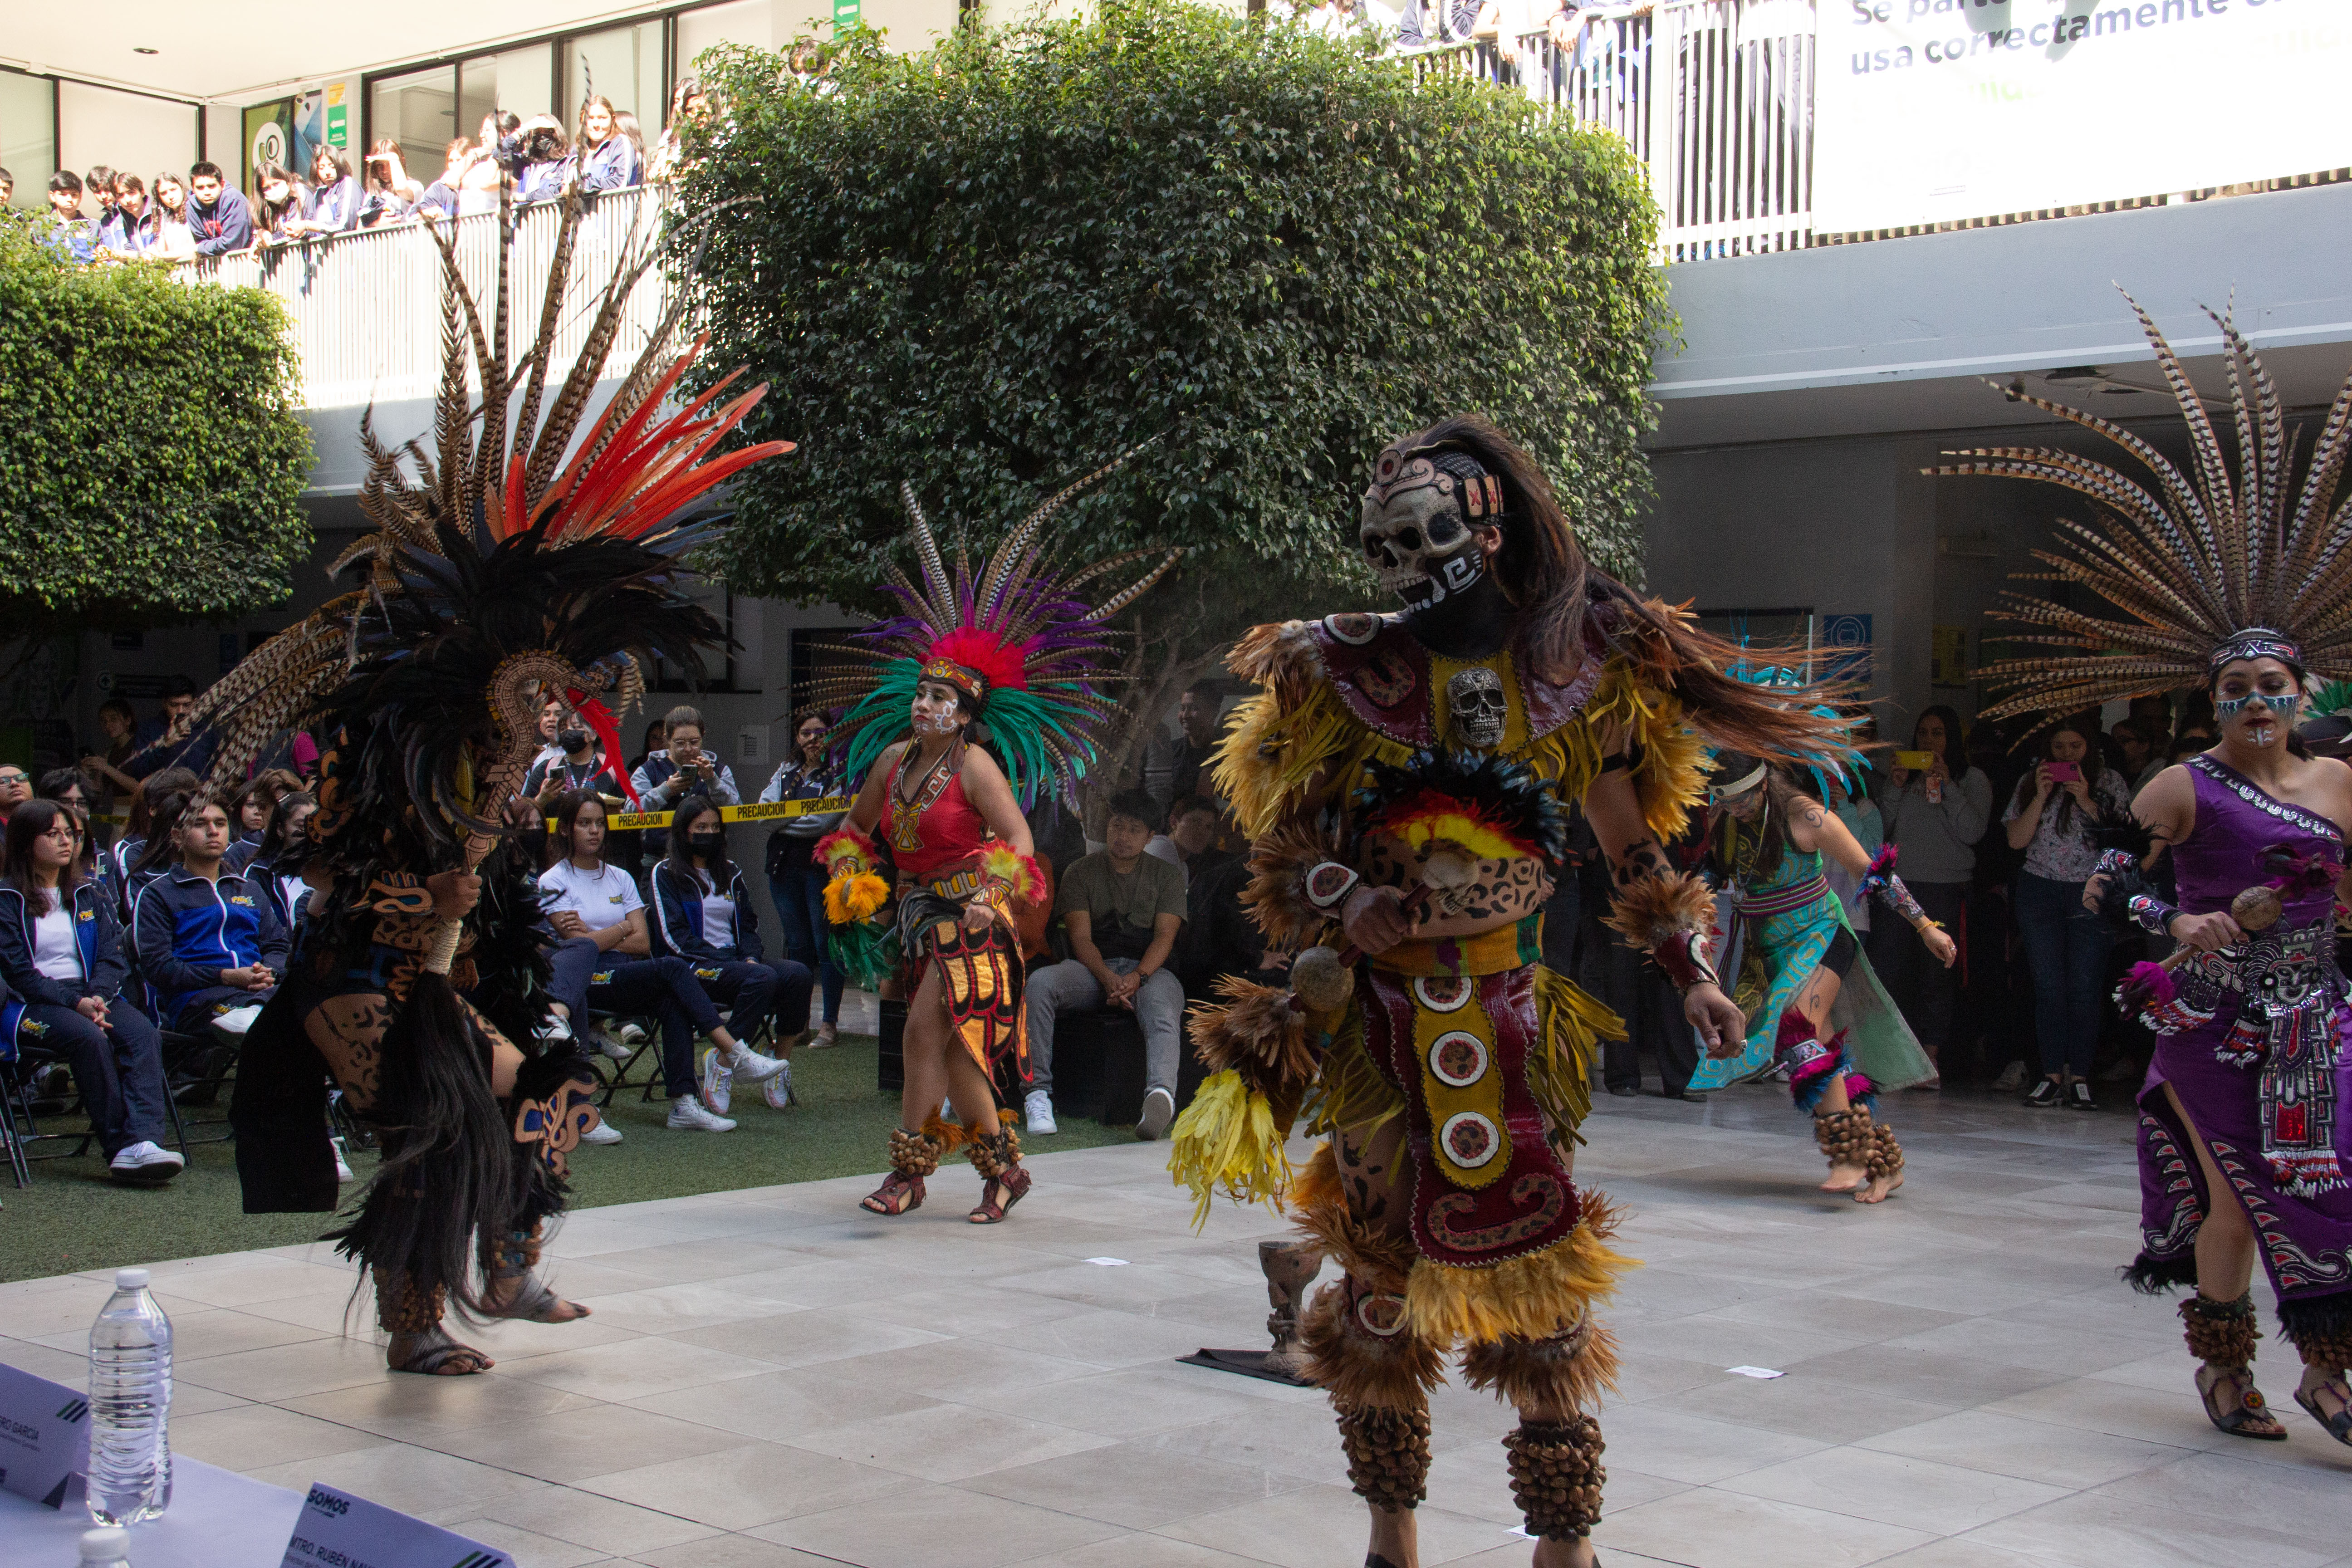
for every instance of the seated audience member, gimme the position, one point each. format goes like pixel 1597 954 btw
pixel 65 786
pixel 666 777
pixel 169 236
pixel 600 960
pixel 702 914
pixel 16 787
pixel 1219 939
pixel 277 205
pixel 206 939
pixel 220 218
pixel 248 818
pixel 61 956
pixel 179 744
pixel 1121 909
pixel 608 161
pixel 331 204
pixel 288 895
pixel 155 808
pixel 1190 842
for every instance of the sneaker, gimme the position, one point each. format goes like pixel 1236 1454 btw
pixel 602 1133
pixel 718 1081
pixel 2044 1095
pixel 2012 1078
pixel 2078 1096
pixel 633 1034
pixel 618 1050
pixel 145 1163
pixel 752 1066
pixel 777 1091
pixel 1158 1111
pixel 827 1035
pixel 343 1162
pixel 238 1022
pixel 557 1028
pixel 1040 1106
pixel 688 1115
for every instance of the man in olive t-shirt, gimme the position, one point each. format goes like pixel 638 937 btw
pixel 1122 909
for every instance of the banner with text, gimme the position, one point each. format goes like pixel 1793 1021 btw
pixel 1935 110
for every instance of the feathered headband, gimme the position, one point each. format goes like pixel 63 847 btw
pixel 2203 569
pixel 1027 653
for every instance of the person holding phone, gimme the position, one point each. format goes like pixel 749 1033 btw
pixel 683 768
pixel 1936 807
pixel 2054 815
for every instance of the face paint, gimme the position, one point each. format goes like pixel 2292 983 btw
pixel 2282 705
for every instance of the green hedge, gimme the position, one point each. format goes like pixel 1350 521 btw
pixel 984 266
pixel 150 455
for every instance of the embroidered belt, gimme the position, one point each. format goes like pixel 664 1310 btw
pixel 960 886
pixel 1782 901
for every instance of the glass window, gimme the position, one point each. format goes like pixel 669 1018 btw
pixel 28 128
pixel 624 64
pixel 751 22
pixel 477 93
pixel 419 111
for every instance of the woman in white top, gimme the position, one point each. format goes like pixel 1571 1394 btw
pixel 602 962
pixel 61 955
pixel 173 240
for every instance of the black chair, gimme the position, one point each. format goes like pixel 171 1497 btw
pixel 201 1064
pixel 20 1129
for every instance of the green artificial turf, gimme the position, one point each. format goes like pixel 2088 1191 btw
pixel 72 1218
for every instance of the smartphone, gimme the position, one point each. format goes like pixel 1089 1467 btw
pixel 1914 762
pixel 2064 772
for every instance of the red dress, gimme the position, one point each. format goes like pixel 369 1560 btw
pixel 936 840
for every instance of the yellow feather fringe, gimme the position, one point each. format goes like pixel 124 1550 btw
pixel 1229 1137
pixel 848 900
pixel 1531 1297
pixel 1570 1022
pixel 1005 862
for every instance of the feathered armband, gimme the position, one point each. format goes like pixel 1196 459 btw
pixel 1879 881
pixel 852 887
pixel 1670 919
pixel 1007 875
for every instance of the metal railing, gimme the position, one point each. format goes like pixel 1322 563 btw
pixel 366 306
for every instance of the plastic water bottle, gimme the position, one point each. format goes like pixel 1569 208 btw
pixel 129 1395
pixel 108 1548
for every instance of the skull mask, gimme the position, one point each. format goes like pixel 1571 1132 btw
pixel 1475 708
pixel 1413 533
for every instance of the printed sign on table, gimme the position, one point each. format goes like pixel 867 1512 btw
pixel 336 1530
pixel 43 1438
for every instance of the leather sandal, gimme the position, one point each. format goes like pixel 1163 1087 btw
pixel 998 1195
pixel 2242 1413
pixel 897 1195
pixel 434 1353
pixel 2339 1425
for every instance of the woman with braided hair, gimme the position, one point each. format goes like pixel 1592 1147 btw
pixel 1824 1020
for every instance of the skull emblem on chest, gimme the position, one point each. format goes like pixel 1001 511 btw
pixel 1413 533
pixel 1475 709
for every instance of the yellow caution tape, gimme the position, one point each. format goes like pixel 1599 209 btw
pixel 757 811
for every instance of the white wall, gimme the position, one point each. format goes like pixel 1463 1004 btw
pixel 123 130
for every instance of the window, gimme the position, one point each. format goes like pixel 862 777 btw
pixel 624 64
pixel 419 111
pixel 28 132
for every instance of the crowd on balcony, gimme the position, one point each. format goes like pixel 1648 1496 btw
pixel 198 214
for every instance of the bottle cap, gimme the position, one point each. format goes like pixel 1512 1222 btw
pixel 105 1545
pixel 131 1278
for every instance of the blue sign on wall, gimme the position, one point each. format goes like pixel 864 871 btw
pixel 1846 646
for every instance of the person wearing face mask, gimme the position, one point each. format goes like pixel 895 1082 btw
pixel 702 914
pixel 569 761
pixel 795 880
pixel 2244 1132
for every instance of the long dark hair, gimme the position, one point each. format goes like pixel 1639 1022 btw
pixel 281 824
pixel 2093 771
pixel 157 850
pixel 27 823
pixel 681 857
pixel 567 814
pixel 1781 789
pixel 1956 745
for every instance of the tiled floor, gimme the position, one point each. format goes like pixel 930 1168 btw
pixel 773 1378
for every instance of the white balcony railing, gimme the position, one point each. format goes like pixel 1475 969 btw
pixel 366 306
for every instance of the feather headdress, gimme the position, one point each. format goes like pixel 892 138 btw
pixel 2201 566
pixel 1029 656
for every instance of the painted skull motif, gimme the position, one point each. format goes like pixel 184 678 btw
pixel 1413 533
pixel 1475 708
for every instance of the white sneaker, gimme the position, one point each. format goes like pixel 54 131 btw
pixel 688 1115
pixel 144 1162
pixel 237 1022
pixel 1158 1111
pixel 602 1133
pixel 718 1081
pixel 343 1162
pixel 619 1050
pixel 752 1066
pixel 633 1034
pixel 1040 1106
pixel 2012 1078
pixel 558 1027
pixel 778 1090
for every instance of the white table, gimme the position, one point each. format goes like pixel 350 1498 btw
pixel 218 1519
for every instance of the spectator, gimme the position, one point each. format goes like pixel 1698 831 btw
pixel 65 786
pixel 176 741
pixel 289 821
pixel 1177 767
pixel 169 235
pixel 388 193
pixel 666 777
pixel 2053 816
pixel 207 942
pixel 100 183
pixel 121 234
pixel 153 809
pixel 795 882
pixel 16 787
pixel 61 953
pixel 1934 818
pixel 1219 939
pixel 624 124
pixel 291 754
pixel 1121 909
pixel 439 199
pixel 650 744
pixel 602 962
pixel 277 205
pixel 331 204
pixel 2143 749
pixel 1190 842
pixel 541 162
pixel 2151 715
pixel 219 217
pixel 68 233
pixel 103 768
pixel 608 161
pixel 688 105
pixel 7 187
pixel 570 760
pixel 250 809
pixel 702 914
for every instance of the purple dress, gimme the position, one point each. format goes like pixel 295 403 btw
pixel 2250 1044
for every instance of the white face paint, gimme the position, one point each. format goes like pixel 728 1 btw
pixel 935 708
pixel 1413 533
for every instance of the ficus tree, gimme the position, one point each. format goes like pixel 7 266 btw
pixel 986 268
